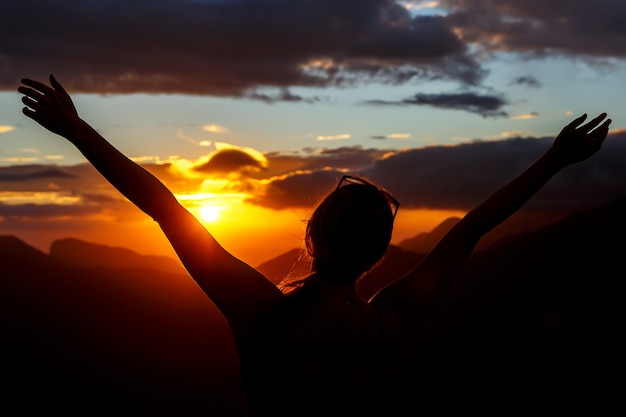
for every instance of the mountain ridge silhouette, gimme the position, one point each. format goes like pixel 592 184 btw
pixel 76 252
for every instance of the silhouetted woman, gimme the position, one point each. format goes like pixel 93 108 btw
pixel 319 347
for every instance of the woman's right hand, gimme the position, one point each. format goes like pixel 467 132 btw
pixel 51 107
pixel 576 143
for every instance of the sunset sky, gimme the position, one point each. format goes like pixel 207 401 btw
pixel 250 110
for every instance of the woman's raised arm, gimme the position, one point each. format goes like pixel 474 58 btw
pixel 415 294
pixel 237 289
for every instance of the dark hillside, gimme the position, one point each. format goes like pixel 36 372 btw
pixel 96 340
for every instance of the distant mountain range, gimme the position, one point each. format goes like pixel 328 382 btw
pixel 78 253
pixel 535 317
pixel 88 339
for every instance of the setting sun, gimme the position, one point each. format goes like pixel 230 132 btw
pixel 209 213
pixel 205 206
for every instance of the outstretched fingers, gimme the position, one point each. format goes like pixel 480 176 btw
pixel 588 127
pixel 30 92
pixel 30 102
pixel 57 85
pixel 32 99
pixel 40 87
pixel 28 113
pixel 31 108
pixel 574 123
pixel 599 134
pixel 35 95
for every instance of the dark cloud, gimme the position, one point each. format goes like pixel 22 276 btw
pixel 300 180
pixel 225 48
pixel 484 105
pixel 85 204
pixel 46 178
pixel 527 80
pixel 302 189
pixel 261 49
pixel 32 172
pixel 35 178
pixel 461 176
pixel 24 212
pixel 574 27
pixel 230 160
pixel 352 158
pixel 284 95
pixel 99 198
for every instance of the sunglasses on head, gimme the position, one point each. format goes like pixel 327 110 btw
pixel 349 179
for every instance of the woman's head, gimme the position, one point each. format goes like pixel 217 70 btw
pixel 350 230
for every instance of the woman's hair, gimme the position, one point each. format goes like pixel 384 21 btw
pixel 350 230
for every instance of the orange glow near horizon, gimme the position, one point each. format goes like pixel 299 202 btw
pixel 411 222
pixel 245 229
pixel 252 233
pixel 256 234
pixel 208 206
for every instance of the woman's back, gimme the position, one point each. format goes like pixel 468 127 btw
pixel 320 348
